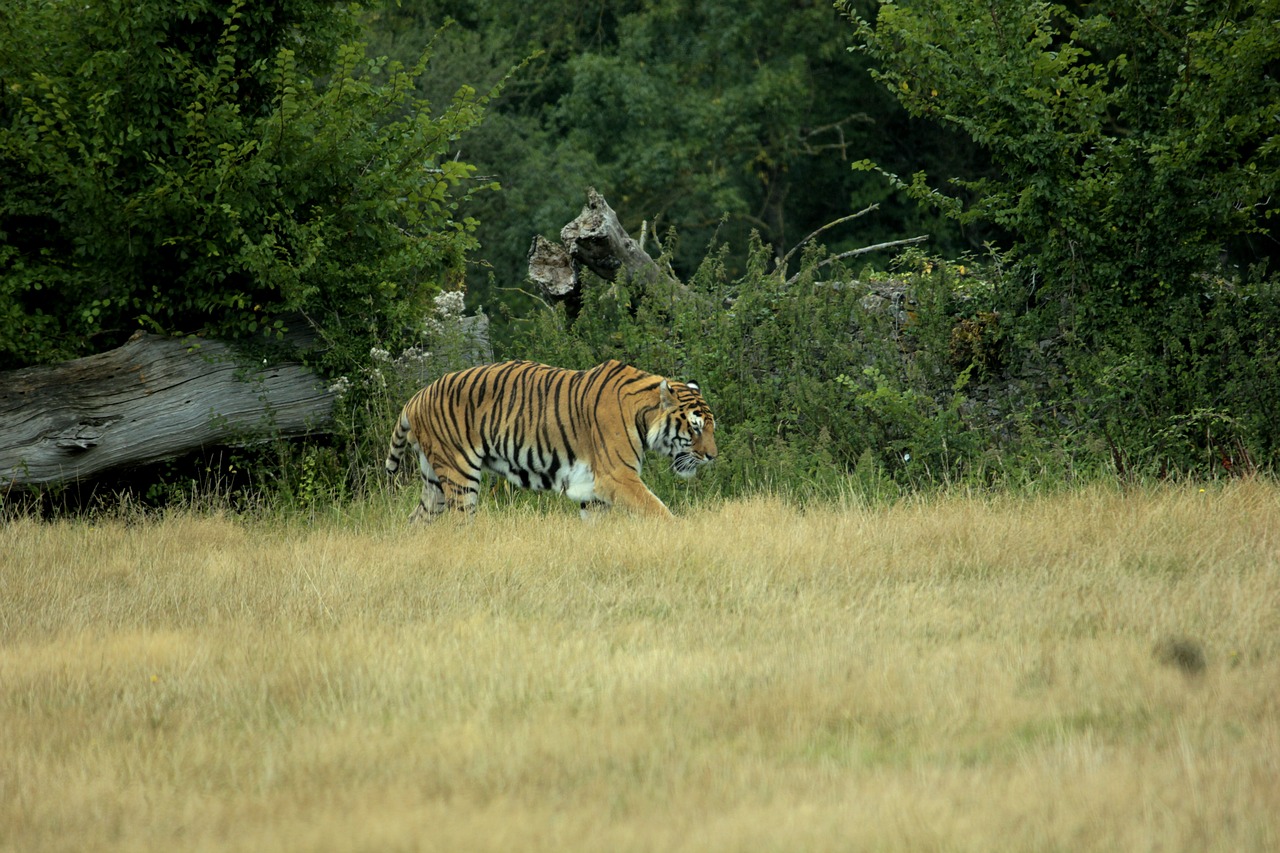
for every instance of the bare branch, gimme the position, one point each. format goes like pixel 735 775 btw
pixel 782 263
pixel 890 245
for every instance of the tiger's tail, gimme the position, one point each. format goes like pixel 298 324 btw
pixel 399 440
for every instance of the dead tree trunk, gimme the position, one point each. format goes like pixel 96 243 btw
pixel 152 399
pixel 597 241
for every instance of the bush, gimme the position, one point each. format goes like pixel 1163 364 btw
pixel 1138 168
pixel 1135 144
pixel 819 384
pixel 883 383
pixel 233 170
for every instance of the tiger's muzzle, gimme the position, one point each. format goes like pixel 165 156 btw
pixel 687 462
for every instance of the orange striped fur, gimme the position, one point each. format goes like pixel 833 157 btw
pixel 582 433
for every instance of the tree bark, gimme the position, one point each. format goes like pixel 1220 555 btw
pixel 597 241
pixel 154 398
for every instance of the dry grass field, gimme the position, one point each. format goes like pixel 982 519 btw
pixel 1097 670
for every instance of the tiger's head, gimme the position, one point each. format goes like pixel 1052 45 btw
pixel 685 430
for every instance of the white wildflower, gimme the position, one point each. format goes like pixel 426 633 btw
pixel 374 377
pixel 340 386
pixel 413 357
pixel 379 354
pixel 450 303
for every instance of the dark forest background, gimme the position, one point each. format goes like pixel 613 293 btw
pixel 1097 182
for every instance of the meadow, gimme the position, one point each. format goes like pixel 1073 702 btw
pixel 1096 669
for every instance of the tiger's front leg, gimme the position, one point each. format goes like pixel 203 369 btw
pixel 625 489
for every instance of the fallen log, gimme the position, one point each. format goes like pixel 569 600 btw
pixel 154 398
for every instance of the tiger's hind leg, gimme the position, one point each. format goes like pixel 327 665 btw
pixel 432 502
pixel 461 490
pixel 447 484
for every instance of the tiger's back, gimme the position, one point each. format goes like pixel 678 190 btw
pixel 580 433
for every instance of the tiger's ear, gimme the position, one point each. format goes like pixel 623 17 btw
pixel 693 386
pixel 665 396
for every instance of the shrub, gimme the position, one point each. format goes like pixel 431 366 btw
pixel 818 384
pixel 233 170
pixel 1137 172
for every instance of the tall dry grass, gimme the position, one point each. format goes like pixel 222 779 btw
pixel 1091 671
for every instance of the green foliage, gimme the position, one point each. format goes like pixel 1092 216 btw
pixel 234 169
pixel 820 385
pixel 826 385
pixel 1136 140
pixel 711 120
pixel 1137 171
pixel 1199 397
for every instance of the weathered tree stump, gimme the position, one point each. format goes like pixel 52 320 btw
pixel 154 398
pixel 597 241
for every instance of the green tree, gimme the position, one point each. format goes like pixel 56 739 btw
pixel 229 168
pixel 711 119
pixel 1137 148
pixel 1136 140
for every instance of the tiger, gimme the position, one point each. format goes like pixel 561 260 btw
pixel 582 433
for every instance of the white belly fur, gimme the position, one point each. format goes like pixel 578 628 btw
pixel 577 482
